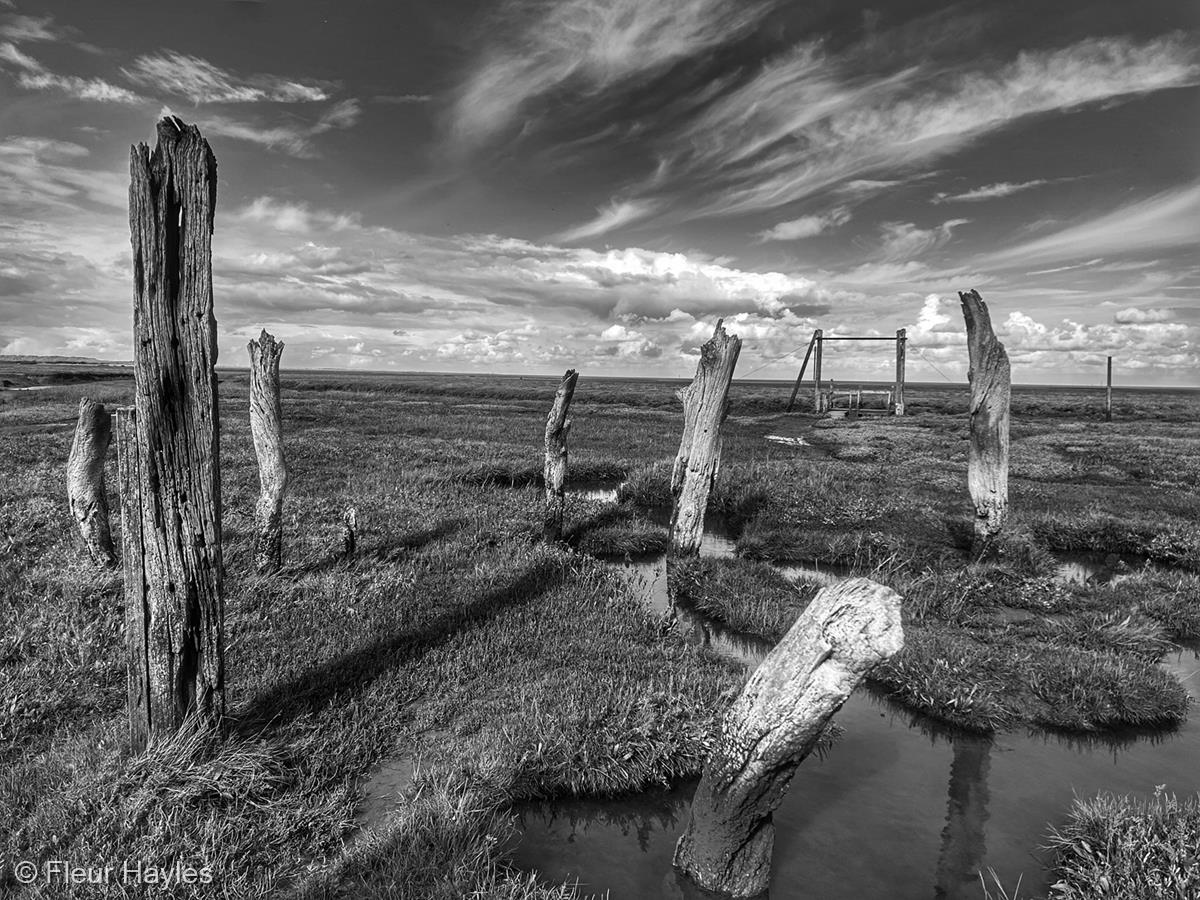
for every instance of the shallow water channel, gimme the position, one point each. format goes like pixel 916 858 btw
pixel 900 807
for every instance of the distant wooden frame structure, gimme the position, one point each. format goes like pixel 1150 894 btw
pixel 823 400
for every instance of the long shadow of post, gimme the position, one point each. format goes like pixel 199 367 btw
pixel 348 675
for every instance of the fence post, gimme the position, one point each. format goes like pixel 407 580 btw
pixel 86 492
pixel 705 405
pixel 266 425
pixel 991 389
pixel 171 482
pixel 818 406
pixel 554 473
pixel 1108 394
pixel 847 630
pixel 901 342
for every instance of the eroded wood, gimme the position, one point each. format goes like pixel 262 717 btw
pixel 705 405
pixel 991 392
pixel 178 573
pixel 266 426
pixel 555 469
pixel 86 491
pixel 847 630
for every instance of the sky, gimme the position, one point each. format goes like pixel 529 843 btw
pixel 523 186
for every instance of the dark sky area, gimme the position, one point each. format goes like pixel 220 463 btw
pixel 529 186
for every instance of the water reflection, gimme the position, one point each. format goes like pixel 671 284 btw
pixel 963 838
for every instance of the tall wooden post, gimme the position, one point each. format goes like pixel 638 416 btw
pixel 266 426
pixel 555 471
pixel 847 630
pixel 991 389
pixel 818 405
pixel 86 492
pixel 705 405
pixel 800 377
pixel 171 484
pixel 901 342
pixel 1108 394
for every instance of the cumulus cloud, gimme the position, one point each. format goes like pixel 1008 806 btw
pixel 1136 316
pixel 203 82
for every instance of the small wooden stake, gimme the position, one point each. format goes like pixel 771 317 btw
pixel 173 573
pixel 137 608
pixel 1108 394
pixel 349 531
pixel 555 471
pixel 991 389
pixel 86 492
pixel 846 631
pixel 266 425
pixel 705 405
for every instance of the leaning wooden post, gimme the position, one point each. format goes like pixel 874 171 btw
pixel 555 471
pixel 847 630
pixel 86 492
pixel 173 565
pixel 705 405
pixel 991 389
pixel 1108 394
pixel 800 377
pixel 266 425
pixel 901 342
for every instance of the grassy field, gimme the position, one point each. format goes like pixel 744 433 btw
pixel 512 670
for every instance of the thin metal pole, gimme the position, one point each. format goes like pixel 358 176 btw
pixel 803 366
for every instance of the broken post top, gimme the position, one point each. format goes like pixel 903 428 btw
pixel 718 356
pixel 180 147
pixel 985 351
pixel 266 345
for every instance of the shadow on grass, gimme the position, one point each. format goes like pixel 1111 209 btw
pixel 388 550
pixel 349 674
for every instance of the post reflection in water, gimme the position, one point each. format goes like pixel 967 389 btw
pixel 964 837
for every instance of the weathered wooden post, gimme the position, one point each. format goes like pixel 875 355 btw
pixel 901 341
pixel 847 630
pixel 555 471
pixel 818 404
pixel 349 531
pixel 86 492
pixel 1108 394
pixel 705 405
pixel 170 465
pixel 266 425
pixel 991 389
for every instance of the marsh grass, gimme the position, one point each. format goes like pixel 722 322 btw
pixel 537 671
pixel 1119 846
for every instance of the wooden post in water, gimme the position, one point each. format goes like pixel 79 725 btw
pixel 991 389
pixel 555 471
pixel 818 405
pixel 901 341
pixel 705 405
pixel 170 481
pixel 86 493
pixel 800 377
pixel 266 425
pixel 847 630
pixel 1108 394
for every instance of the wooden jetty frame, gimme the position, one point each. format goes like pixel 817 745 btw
pixel 822 400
